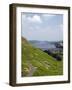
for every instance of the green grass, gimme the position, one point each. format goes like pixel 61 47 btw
pixel 45 64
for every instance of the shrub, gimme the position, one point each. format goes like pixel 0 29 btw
pixel 55 55
pixel 58 57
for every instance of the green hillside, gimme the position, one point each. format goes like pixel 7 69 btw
pixel 38 63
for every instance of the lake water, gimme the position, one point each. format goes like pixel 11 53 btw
pixel 44 45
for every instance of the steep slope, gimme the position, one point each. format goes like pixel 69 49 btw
pixel 38 63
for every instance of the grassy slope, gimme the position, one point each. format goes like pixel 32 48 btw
pixel 43 63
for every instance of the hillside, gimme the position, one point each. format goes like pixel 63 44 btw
pixel 35 62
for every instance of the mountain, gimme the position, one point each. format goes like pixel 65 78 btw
pixel 35 62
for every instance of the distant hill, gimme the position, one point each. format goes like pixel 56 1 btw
pixel 35 62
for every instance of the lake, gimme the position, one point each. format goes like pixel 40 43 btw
pixel 44 45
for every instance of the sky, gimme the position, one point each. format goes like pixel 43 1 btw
pixel 42 26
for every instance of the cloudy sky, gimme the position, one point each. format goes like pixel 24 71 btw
pixel 42 26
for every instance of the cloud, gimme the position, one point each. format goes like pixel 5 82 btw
pixel 48 16
pixel 23 16
pixel 60 27
pixel 35 18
